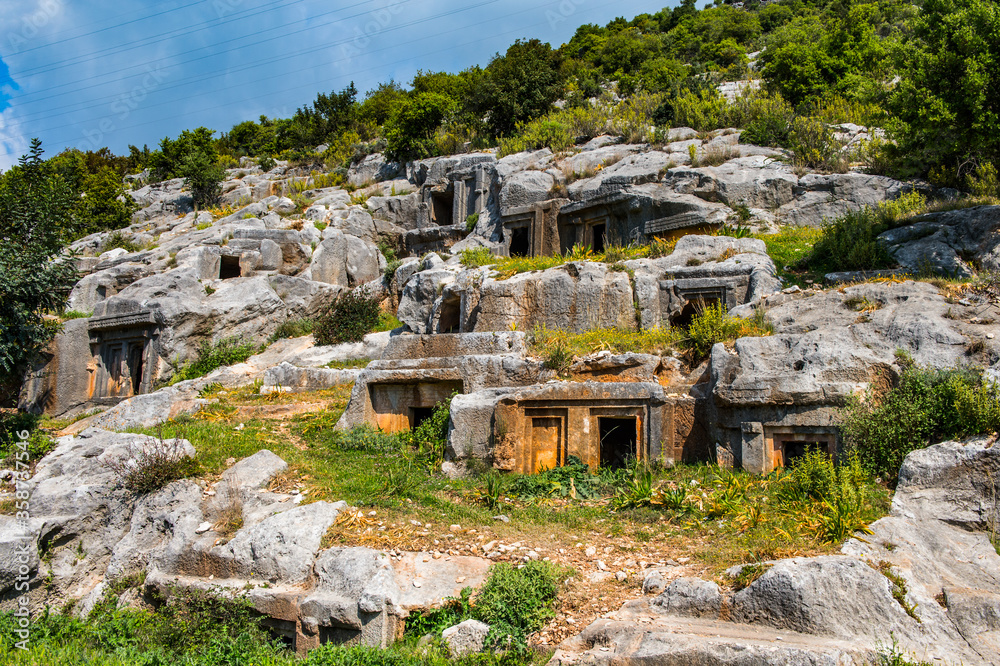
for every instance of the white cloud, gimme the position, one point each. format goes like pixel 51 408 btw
pixel 13 143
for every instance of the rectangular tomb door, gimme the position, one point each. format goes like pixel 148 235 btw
pixel 545 441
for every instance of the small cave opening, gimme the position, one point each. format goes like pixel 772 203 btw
pixel 618 440
pixel 229 268
pixel 520 242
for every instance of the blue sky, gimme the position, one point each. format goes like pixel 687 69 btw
pixel 90 73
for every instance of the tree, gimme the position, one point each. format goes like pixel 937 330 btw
pixel 168 160
pixel 204 178
pixel 409 133
pixel 36 219
pixel 106 204
pixel 520 85
pixel 947 102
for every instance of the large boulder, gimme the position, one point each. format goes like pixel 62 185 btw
pixel 950 242
pixel 525 187
pixel 823 197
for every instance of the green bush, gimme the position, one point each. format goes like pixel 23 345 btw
pixel 431 436
pixel 574 479
pixel 203 177
pixel 813 145
pixel 479 256
pixel 14 423
pixel 118 239
pixel 350 318
pixel 471 221
pixel 266 163
pixel 516 602
pixel 294 328
pixel 926 405
pixel 227 351
pixel 714 324
pixel 850 244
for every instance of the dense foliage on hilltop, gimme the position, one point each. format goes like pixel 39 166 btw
pixel 925 71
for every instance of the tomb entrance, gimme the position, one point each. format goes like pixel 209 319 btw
pixel 229 267
pixel 121 345
pixel 404 406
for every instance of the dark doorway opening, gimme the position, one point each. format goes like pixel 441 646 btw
pixel 690 309
pixel 229 268
pixel 418 415
pixel 450 319
pixel 599 234
pixel 618 440
pixel 281 630
pixel 135 366
pixel 794 449
pixel 441 209
pixel 520 242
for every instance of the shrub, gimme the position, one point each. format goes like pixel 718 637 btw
pixel 479 256
pixel 14 423
pixel 714 324
pixel 768 120
pixel 924 406
pixel 516 602
pixel 266 163
pixel 431 435
pixel 203 177
pixel 151 465
pixel 349 318
pixel 574 479
pixel 294 328
pixel 850 244
pixel 227 351
pixel 813 144
pixel 471 221
pixel 118 239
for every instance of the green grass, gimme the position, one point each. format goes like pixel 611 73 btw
pixel 75 314
pixel 544 341
pixel 199 630
pixel 788 247
pixel 294 328
pixel 387 322
pixel 227 351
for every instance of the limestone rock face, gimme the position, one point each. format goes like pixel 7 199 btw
pixel 947 241
pixel 690 596
pixel 76 499
pixel 823 197
pixel 96 534
pixel 575 296
pixel 525 187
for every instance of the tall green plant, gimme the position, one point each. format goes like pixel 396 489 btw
pixel 36 219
